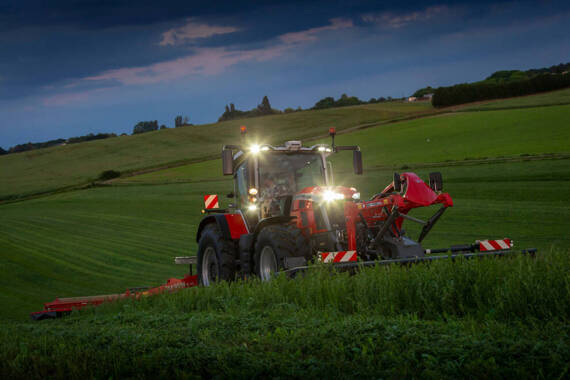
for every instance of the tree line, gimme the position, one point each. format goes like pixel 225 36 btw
pixel 472 92
pixel 262 109
pixel 46 144
pixel 345 101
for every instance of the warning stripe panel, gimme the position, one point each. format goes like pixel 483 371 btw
pixel 495 245
pixel 211 201
pixel 337 257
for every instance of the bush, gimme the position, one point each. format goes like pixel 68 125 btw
pixel 109 174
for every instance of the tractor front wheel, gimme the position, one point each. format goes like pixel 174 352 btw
pixel 216 258
pixel 274 244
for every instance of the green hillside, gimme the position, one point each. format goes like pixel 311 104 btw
pixel 45 170
pixel 456 136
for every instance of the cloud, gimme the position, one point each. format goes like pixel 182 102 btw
pixel 65 99
pixel 310 35
pixel 191 31
pixel 203 62
pixel 211 61
pixel 207 61
pixel 394 21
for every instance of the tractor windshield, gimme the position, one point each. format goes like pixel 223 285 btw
pixel 282 174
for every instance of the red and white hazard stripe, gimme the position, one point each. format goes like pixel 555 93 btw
pixel 211 201
pixel 337 257
pixel 494 245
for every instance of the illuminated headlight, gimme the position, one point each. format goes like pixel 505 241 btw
pixel 253 191
pixel 254 149
pixel 251 207
pixel 322 149
pixel 332 196
pixel 264 148
pixel 328 150
pixel 356 196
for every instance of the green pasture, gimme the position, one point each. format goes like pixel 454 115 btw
pixel 45 170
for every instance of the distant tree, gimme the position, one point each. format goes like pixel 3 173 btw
pixel 163 126
pixel 2 151
pixel 264 108
pixel 299 109
pixel 145 126
pixel 288 110
pixel 327 102
pixel 424 91
pixel 185 121
pixel 232 108
pixel 178 121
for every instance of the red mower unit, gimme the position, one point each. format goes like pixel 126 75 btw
pixel 287 212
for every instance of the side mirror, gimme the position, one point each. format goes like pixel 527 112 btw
pixel 397 183
pixel 251 172
pixel 357 161
pixel 436 181
pixel 227 162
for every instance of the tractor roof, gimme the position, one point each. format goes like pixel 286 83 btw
pixel 288 147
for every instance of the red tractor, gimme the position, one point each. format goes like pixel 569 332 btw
pixel 288 212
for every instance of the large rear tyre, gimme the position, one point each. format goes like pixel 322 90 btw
pixel 216 257
pixel 274 244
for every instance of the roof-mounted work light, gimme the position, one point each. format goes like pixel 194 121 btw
pixel 332 133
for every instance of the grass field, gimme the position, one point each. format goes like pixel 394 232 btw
pixel 508 172
pixel 45 170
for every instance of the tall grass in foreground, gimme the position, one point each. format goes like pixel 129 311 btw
pixel 494 318
pixel 503 288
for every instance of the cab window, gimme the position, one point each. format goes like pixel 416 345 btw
pixel 241 185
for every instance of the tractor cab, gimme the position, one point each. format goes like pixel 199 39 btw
pixel 266 177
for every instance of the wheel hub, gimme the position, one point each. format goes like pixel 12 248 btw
pixel 209 267
pixel 267 263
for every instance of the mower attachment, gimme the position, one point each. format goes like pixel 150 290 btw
pixel 466 251
pixel 64 306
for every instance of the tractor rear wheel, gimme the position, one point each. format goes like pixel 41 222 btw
pixel 216 256
pixel 274 244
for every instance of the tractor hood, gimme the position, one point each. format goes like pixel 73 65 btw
pixel 327 193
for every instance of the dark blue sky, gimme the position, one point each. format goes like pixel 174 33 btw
pixel 69 68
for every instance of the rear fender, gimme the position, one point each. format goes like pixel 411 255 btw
pixel 231 225
pixel 248 243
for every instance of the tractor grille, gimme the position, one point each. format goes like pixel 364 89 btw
pixel 335 211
